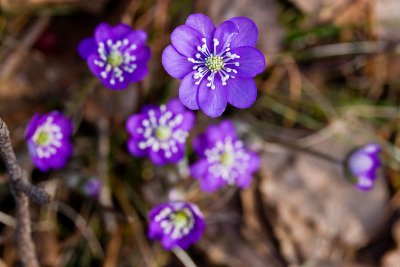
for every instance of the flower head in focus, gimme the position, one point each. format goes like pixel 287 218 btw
pixel 92 187
pixel 176 224
pixel 216 64
pixel 48 137
pixel 224 159
pixel 116 55
pixel 160 132
pixel 362 166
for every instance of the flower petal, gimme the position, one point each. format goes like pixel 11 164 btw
pixel 175 64
pixel 244 180
pixel 251 62
pixel 225 34
pixel 209 183
pixel 241 92
pixel 202 24
pixel 248 32
pixel 32 125
pixel 142 54
pixel 86 47
pixel 138 75
pixel 133 123
pixel 188 121
pixel 103 32
pixel 212 101
pixel 133 148
pixel 188 92
pixel 137 37
pixel 254 162
pixel 185 40
pixel 199 168
pixel 121 30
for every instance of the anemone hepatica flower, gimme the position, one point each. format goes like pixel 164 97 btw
pixel 160 132
pixel 362 166
pixel 176 224
pixel 216 65
pixel 92 187
pixel 224 159
pixel 116 55
pixel 48 137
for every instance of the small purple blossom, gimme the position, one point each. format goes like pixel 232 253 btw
pixel 362 166
pixel 223 159
pixel 92 187
pixel 160 132
pixel 176 224
pixel 48 137
pixel 116 55
pixel 216 65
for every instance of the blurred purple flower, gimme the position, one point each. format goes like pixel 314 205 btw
pixel 217 65
pixel 92 187
pixel 160 132
pixel 224 159
pixel 48 137
pixel 176 224
pixel 363 165
pixel 116 55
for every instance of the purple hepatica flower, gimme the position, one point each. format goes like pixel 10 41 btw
pixel 160 132
pixel 116 55
pixel 362 166
pixel 217 65
pixel 224 159
pixel 92 187
pixel 176 224
pixel 48 137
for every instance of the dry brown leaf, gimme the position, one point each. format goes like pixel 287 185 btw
pixel 318 215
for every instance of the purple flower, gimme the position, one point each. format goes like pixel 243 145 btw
pixel 224 159
pixel 116 55
pixel 92 187
pixel 176 224
pixel 160 132
pixel 362 166
pixel 216 65
pixel 48 137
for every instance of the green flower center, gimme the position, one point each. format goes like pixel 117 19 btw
pixel 180 219
pixel 115 58
pixel 42 138
pixel 227 159
pixel 214 63
pixel 163 133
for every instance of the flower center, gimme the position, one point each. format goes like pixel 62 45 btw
pixel 180 219
pixel 42 138
pixel 214 63
pixel 115 58
pixel 163 133
pixel 227 159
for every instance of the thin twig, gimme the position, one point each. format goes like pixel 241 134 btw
pixel 21 189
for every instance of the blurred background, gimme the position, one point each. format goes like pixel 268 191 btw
pixel 331 83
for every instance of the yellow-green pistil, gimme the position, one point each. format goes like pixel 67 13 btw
pixel 180 219
pixel 115 58
pixel 163 133
pixel 42 138
pixel 214 63
pixel 227 159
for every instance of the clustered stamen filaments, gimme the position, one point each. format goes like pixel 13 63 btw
pixel 47 138
pixel 116 59
pixel 176 220
pixel 162 132
pixel 211 63
pixel 228 159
